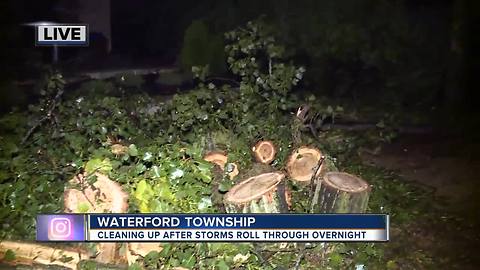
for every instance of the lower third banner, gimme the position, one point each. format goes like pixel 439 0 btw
pixel 216 228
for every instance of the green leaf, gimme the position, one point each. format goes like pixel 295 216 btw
pixel 222 265
pixel 9 255
pixel 143 194
pixel 152 258
pixel 156 171
pixel 167 247
pixel 98 165
pixel 164 191
pixel 140 168
pixel 83 207
pixel 190 262
pixel 147 156
pixel 132 150
pixel 392 265
pixel 204 204
pixel 336 259
pixel 206 178
pixel 224 187
pixel 177 173
pixel 157 206
pixel 205 167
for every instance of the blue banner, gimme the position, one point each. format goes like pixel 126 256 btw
pixel 213 227
pixel 237 221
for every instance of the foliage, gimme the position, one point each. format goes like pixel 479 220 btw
pixel 201 110
pixel 259 107
pixel 172 179
pixel 265 78
pixel 203 256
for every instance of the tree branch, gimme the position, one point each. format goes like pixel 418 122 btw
pixel 314 176
pixel 48 116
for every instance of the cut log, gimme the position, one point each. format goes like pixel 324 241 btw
pixel 31 253
pixel 302 163
pixel 341 192
pixel 216 157
pixel 103 196
pixel 260 168
pixel 258 194
pixel 264 152
pixel 221 159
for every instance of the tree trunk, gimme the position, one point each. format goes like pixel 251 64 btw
pixel 48 257
pixel 302 163
pixel 264 193
pixel 220 158
pixel 340 192
pixel 264 152
pixel 217 196
pixel 257 194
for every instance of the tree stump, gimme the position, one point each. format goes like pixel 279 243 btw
pixel 220 159
pixel 264 152
pixel 103 196
pixel 341 192
pixel 257 194
pixel 302 163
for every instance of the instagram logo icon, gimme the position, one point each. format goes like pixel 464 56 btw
pixel 60 228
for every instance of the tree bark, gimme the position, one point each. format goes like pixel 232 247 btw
pixel 48 257
pixel 341 192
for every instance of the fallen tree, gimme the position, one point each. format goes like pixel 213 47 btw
pixel 103 196
pixel 34 254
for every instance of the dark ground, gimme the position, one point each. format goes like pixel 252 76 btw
pixel 449 167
